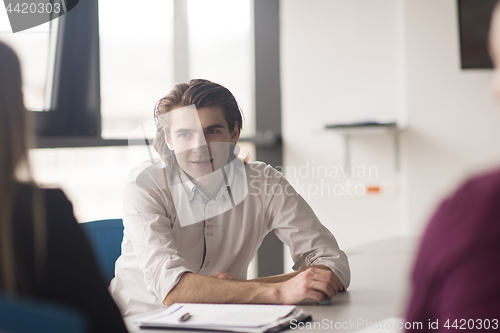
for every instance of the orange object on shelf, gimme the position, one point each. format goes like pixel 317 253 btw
pixel 373 189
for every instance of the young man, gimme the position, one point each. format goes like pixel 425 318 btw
pixel 195 218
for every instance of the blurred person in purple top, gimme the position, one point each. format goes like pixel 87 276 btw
pixel 456 278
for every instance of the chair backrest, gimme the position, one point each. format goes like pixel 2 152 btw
pixel 106 237
pixel 27 316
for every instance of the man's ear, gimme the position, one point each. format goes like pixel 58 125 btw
pixel 235 134
pixel 168 141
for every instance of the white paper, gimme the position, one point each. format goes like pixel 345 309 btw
pixel 220 315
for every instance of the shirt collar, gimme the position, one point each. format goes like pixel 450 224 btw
pixel 190 188
pixel 188 185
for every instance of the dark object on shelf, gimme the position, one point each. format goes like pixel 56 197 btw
pixel 361 125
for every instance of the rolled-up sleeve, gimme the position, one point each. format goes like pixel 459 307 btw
pixel 296 225
pixel 149 230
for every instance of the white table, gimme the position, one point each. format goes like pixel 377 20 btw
pixel 378 290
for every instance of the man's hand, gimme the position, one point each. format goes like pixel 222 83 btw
pixel 311 283
pixel 227 276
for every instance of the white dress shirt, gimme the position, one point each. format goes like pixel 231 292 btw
pixel 158 248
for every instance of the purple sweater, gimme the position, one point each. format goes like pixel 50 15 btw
pixel 457 271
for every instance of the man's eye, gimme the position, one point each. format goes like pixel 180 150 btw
pixel 213 131
pixel 183 135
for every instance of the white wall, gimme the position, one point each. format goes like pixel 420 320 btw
pixel 453 117
pixel 345 60
pixel 340 62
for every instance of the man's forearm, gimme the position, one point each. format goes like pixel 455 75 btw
pixel 285 277
pixel 276 278
pixel 315 283
pixel 195 288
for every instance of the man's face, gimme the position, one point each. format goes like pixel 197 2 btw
pixel 200 139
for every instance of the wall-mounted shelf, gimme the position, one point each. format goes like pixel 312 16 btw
pixel 367 128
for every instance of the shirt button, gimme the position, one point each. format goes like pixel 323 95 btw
pixel 210 226
pixel 210 219
pixel 209 234
pixel 207 264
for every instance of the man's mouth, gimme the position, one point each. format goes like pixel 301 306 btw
pixel 202 162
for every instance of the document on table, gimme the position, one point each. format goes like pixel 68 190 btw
pixel 225 317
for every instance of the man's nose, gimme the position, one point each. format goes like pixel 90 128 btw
pixel 199 144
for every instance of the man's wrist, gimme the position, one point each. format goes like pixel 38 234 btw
pixel 267 293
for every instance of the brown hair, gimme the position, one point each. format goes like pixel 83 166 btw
pixel 201 93
pixel 13 149
pixel 13 157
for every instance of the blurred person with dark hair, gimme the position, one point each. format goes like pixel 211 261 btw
pixel 43 251
pixel 456 277
pixel 195 217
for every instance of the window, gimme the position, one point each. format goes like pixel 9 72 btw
pixel 136 63
pixel 36 50
pixel 88 176
pixel 221 49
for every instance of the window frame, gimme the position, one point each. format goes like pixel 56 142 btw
pixel 74 119
pixel 75 100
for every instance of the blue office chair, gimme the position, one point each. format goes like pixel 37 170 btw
pixel 105 237
pixel 18 315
